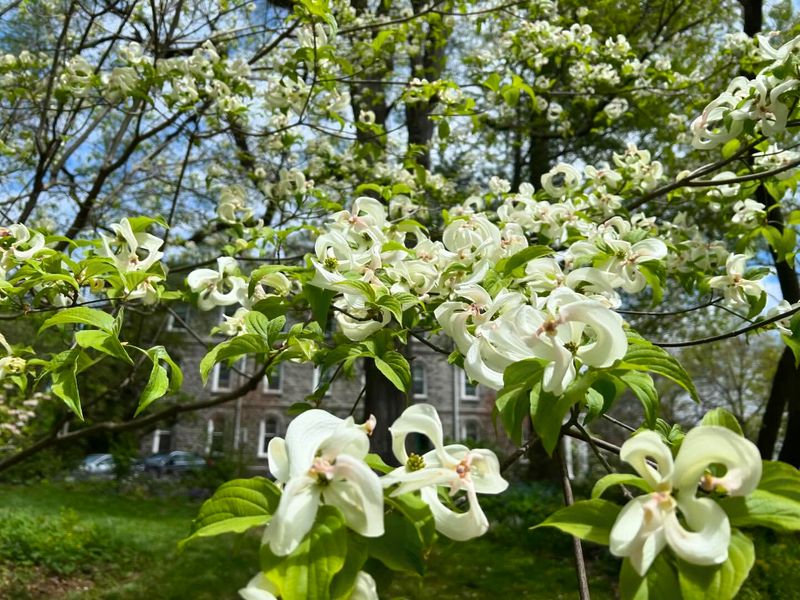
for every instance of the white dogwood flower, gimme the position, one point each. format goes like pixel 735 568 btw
pixel 454 466
pixel 734 286
pixel 566 327
pixel 132 251
pixel 322 461
pixel 650 522
pixel 220 287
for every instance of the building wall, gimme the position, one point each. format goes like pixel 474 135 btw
pixel 239 425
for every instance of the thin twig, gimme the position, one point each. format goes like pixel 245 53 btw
pixel 580 565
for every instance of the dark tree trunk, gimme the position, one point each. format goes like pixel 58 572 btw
pixel 786 381
pixel 386 403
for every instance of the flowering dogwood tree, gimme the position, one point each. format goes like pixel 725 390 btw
pixel 321 215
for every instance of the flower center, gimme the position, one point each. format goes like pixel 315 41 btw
pixel 414 463
pixel 322 470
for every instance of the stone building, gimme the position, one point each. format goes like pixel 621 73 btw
pixel 241 429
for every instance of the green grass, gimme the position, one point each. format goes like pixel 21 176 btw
pixel 85 542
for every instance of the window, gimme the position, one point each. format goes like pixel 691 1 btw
pixel 419 383
pixel 469 390
pixel 179 323
pixel 320 378
pixel 273 383
pixel 162 441
pixel 215 440
pixel 268 429
pixel 470 430
pixel 222 379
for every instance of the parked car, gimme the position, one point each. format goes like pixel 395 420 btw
pixel 174 463
pixel 104 466
pixel 97 465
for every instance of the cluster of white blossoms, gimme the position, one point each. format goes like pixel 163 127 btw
pixel 18 243
pixel 760 102
pixel 650 522
pixel 322 462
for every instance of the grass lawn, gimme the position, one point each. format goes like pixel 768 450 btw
pixel 87 542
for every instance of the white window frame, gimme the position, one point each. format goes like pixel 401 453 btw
pixel 261 451
pixel 266 383
pixel 464 425
pixel 172 324
pixel 210 436
pixel 215 379
pixel 463 389
pixel 157 438
pixel 424 393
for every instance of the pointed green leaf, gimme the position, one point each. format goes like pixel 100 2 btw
pixel 308 572
pixel 81 315
pixel 720 582
pixel 236 506
pixel 659 583
pixel 774 504
pixel 590 520
pixel 644 356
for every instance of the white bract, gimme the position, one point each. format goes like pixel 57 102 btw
pixel 454 466
pixel 735 288
pixel 322 461
pixel 650 522
pixel 220 287
pixel 132 251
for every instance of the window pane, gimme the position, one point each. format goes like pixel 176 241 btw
pixel 418 387
pixel 164 441
pixel 469 389
pixel 224 376
pixel 270 431
pixel 182 312
pixel 274 379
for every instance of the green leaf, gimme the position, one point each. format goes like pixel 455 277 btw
pixel 774 504
pixel 82 316
pixel 521 258
pixel 395 368
pixel 159 382
pixel 101 341
pixel 248 343
pixel 590 520
pixel 547 414
pixel 659 583
pixel 644 356
pixel 393 305
pixel 720 582
pixel 236 506
pixel 642 386
pixel 722 418
pixel 417 512
pixel 65 383
pixel 156 387
pixel 375 462
pixel 525 372
pixel 308 572
pixel 513 405
pixel 320 302
pixel 401 547
pixel 613 479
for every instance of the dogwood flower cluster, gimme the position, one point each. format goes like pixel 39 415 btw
pixel 322 461
pixel 678 511
pixel 134 252
pixel 762 101
pixel 18 243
